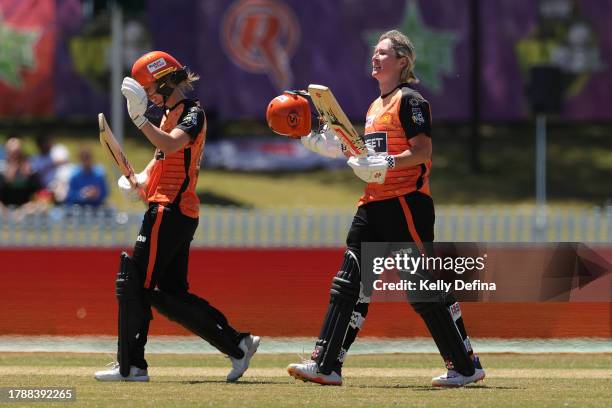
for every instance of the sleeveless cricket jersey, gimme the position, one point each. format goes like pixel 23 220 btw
pixel 174 176
pixel 392 120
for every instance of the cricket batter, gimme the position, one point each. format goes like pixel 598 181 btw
pixel 400 209
pixel 156 274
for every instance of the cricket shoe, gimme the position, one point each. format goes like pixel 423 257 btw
pixel 308 370
pixel 249 346
pixel 113 374
pixel 453 379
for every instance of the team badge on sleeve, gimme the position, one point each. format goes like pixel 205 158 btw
pixel 417 116
pixel 191 119
pixel 417 113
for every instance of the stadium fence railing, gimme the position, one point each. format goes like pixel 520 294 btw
pixel 304 227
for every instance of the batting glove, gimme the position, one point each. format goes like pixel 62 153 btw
pixel 325 144
pixel 132 192
pixel 371 169
pixel 137 101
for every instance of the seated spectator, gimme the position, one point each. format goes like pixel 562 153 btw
pixel 52 166
pixel 87 184
pixel 2 154
pixel 19 185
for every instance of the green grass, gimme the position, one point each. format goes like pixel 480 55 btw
pixel 388 380
pixel 578 167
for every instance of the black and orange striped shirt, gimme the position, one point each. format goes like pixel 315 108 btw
pixel 392 120
pixel 173 178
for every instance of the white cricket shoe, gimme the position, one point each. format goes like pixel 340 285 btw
pixel 309 371
pixel 455 379
pixel 113 374
pixel 249 346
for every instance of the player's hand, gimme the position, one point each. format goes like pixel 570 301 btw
pixel 137 101
pixel 325 144
pixel 132 192
pixel 372 168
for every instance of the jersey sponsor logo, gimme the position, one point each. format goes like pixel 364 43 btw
pixel 377 141
pixel 369 120
pixel 260 36
pixel 385 118
pixel 156 65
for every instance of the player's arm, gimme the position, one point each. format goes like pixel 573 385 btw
pixel 137 105
pixel 415 117
pixel 166 142
pixel 419 152
pixel 186 130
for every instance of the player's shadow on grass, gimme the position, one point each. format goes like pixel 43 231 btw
pixel 485 387
pixel 431 388
pixel 244 382
pixel 398 386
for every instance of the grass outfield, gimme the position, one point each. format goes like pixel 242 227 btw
pixel 387 380
pixel 579 160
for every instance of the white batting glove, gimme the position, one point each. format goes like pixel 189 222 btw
pixel 136 101
pixel 372 169
pixel 132 192
pixel 325 144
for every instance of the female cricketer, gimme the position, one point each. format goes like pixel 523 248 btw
pixel 156 273
pixel 396 207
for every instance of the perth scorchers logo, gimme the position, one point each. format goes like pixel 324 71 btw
pixel 293 119
pixel 260 36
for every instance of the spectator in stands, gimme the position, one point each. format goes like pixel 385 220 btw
pixel 87 184
pixel 19 185
pixel 52 166
pixel 2 154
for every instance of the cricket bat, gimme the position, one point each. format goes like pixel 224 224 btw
pixel 110 145
pixel 329 108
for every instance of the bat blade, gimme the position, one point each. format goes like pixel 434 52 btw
pixel 115 152
pixel 329 108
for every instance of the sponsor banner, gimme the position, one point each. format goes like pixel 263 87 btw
pixel 270 292
pixel 28 31
pixel 481 272
pixel 249 51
